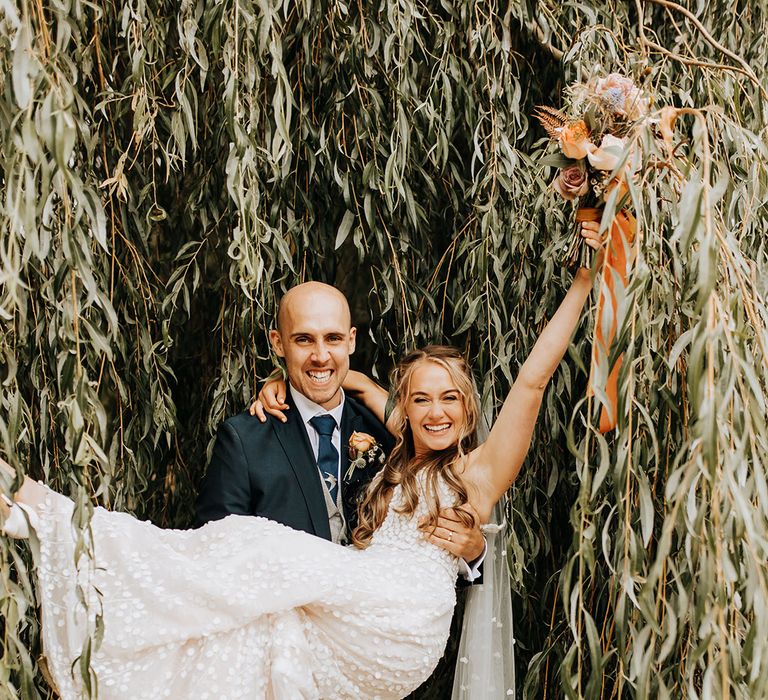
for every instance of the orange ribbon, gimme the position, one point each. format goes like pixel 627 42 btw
pixel 617 264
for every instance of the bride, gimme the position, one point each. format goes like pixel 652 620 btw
pixel 247 608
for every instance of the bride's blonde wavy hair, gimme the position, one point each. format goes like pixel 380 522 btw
pixel 402 465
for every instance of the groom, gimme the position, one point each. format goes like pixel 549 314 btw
pixel 297 472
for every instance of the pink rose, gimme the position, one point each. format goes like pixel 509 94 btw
pixel 572 182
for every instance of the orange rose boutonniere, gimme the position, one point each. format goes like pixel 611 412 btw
pixel 363 451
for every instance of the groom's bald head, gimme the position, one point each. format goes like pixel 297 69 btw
pixel 316 298
pixel 314 335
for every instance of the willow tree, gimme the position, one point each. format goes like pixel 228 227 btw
pixel 169 167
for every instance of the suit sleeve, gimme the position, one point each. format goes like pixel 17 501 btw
pixel 226 488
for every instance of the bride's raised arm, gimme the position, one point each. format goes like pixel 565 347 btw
pixel 494 465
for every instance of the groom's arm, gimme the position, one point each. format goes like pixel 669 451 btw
pixel 226 488
pixel 471 571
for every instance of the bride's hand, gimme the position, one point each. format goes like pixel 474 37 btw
pixel 590 232
pixel 452 535
pixel 271 399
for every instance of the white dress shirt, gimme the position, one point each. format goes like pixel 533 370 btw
pixel 308 410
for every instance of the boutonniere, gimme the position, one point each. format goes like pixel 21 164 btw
pixel 363 451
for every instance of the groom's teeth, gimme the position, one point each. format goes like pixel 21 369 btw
pixel 321 377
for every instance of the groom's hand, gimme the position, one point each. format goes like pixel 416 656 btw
pixel 452 535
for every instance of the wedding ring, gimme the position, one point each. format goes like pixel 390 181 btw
pixel 450 535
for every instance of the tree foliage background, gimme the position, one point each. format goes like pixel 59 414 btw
pixel 168 168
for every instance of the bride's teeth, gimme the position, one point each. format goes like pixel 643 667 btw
pixel 437 429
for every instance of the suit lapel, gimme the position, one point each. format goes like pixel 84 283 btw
pixel 293 438
pixel 350 422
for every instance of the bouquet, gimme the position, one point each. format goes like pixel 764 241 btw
pixel 594 166
pixel 591 134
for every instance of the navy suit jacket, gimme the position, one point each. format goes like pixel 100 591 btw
pixel 268 469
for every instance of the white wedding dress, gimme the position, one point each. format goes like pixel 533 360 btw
pixel 242 608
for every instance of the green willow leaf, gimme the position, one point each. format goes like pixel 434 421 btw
pixel 169 170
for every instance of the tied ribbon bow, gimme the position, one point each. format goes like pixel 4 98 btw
pixel 617 264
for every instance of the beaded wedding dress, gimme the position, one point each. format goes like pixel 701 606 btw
pixel 242 608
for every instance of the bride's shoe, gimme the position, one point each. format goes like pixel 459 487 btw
pixel 15 524
pixel 15 518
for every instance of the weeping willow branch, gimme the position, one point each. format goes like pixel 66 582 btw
pixel 168 170
pixel 745 67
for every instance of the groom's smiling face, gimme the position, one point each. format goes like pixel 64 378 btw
pixel 315 337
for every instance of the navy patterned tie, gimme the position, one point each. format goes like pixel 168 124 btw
pixel 327 454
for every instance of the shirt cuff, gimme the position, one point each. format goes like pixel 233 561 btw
pixel 471 570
